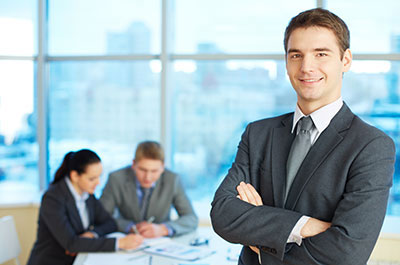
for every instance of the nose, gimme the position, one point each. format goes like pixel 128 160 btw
pixel 307 64
pixel 97 181
pixel 147 175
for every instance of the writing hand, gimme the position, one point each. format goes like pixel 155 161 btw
pixel 151 230
pixel 131 241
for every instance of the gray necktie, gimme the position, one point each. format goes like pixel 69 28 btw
pixel 299 150
pixel 145 201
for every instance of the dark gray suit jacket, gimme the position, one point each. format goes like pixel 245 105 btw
pixel 60 226
pixel 120 194
pixel 344 179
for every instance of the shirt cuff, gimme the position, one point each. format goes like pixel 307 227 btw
pixel 171 231
pixel 128 227
pixel 295 235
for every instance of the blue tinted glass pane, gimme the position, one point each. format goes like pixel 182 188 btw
pixel 374 27
pixel 213 102
pixel 371 90
pixel 252 26
pixel 104 27
pixel 18 145
pixel 18 24
pixel 104 106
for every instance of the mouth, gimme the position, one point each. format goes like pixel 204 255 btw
pixel 310 80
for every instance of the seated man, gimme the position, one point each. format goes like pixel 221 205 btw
pixel 141 195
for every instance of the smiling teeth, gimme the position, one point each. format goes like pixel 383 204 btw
pixel 311 80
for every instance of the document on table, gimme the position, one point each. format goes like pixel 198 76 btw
pixel 120 258
pixel 179 251
pixel 147 242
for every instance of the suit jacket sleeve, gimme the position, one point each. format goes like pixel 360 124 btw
pixel 111 198
pixel 187 220
pixel 240 222
pixel 103 221
pixel 356 219
pixel 57 216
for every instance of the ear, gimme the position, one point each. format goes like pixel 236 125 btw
pixel 74 176
pixel 133 164
pixel 347 59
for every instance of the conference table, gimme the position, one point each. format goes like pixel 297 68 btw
pixel 223 252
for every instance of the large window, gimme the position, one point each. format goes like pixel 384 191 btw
pixel 98 27
pixel 188 73
pixel 104 106
pixel 18 142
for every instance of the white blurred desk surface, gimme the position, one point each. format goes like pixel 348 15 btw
pixel 225 253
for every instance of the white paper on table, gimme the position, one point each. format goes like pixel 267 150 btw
pixel 147 242
pixel 120 258
pixel 179 251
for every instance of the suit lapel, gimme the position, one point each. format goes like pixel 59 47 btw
pixel 131 193
pixel 71 208
pixel 324 145
pixel 282 140
pixel 90 208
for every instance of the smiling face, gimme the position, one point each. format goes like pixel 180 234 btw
pixel 315 67
pixel 88 180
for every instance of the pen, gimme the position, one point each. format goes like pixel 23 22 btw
pixel 151 219
pixel 135 229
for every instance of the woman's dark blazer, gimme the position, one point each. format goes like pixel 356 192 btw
pixel 60 225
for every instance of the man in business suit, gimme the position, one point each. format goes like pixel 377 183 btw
pixel 331 210
pixel 141 196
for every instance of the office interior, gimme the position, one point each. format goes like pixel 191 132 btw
pixel 191 74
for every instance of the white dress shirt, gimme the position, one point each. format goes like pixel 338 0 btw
pixel 80 201
pixel 321 119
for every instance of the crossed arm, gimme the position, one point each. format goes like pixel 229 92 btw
pixel 247 193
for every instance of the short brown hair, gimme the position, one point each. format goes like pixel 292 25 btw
pixel 319 17
pixel 149 150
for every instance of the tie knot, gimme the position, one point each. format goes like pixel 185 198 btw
pixel 305 123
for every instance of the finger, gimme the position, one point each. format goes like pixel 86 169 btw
pixel 255 195
pixel 255 249
pixel 242 192
pixel 250 197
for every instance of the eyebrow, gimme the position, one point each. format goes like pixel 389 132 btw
pixel 316 50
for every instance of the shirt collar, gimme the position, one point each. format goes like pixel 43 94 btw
pixel 321 117
pixel 75 194
pixel 138 184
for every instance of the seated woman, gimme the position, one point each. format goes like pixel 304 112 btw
pixel 71 219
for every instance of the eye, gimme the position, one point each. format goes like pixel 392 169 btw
pixel 295 56
pixel 322 54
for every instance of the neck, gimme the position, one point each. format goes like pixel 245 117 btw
pixel 308 107
pixel 77 189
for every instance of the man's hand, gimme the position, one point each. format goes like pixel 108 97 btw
pixel 249 194
pixel 152 230
pixel 314 227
